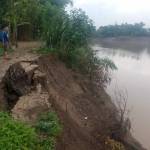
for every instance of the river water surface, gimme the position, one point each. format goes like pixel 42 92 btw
pixel 132 58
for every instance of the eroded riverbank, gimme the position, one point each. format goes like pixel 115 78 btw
pixel 132 57
pixel 87 113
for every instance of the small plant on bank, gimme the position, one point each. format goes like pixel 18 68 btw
pixel 45 50
pixel 48 124
pixel 48 127
pixel 15 135
pixel 46 143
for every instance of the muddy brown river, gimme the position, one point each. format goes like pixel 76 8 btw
pixel 132 57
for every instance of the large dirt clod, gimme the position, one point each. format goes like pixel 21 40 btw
pixel 20 79
pixel 30 106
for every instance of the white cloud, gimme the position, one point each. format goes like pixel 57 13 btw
pixel 133 6
pixel 105 12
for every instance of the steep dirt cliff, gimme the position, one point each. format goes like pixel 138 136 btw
pixel 39 84
pixel 88 115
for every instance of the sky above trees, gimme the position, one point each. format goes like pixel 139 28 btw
pixel 105 12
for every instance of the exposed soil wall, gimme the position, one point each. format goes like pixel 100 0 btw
pixel 87 113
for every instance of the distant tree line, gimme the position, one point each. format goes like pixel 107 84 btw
pixel 137 29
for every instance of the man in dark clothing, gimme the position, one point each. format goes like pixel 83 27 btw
pixel 4 39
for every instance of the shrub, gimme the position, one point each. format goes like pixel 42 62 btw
pixel 48 127
pixel 15 135
pixel 100 70
pixel 68 34
pixel 48 124
pixel 85 60
pixel 45 50
pixel 46 143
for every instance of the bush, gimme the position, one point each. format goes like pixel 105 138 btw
pixel 48 124
pixel 48 128
pixel 68 34
pixel 46 50
pixel 46 143
pixel 84 59
pixel 100 70
pixel 15 135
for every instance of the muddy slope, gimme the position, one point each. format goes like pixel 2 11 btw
pixel 31 87
pixel 87 113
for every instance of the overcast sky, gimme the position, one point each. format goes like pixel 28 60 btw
pixel 104 12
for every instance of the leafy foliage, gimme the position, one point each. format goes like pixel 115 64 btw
pixel 136 29
pixel 100 70
pixel 49 124
pixel 49 128
pixel 68 34
pixel 20 136
pixel 46 143
pixel 15 135
pixel 20 12
pixel 65 33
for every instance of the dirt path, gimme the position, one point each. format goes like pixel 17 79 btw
pixel 23 52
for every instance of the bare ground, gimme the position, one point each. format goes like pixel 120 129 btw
pixel 23 52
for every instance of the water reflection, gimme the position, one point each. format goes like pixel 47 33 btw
pixel 113 52
pixel 128 44
pixel 133 75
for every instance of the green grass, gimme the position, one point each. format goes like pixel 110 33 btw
pixel 46 143
pixel 49 125
pixel 2 51
pixel 15 135
pixel 46 50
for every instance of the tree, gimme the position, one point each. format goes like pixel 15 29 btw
pixel 136 29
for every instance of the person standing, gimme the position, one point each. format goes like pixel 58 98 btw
pixel 4 39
